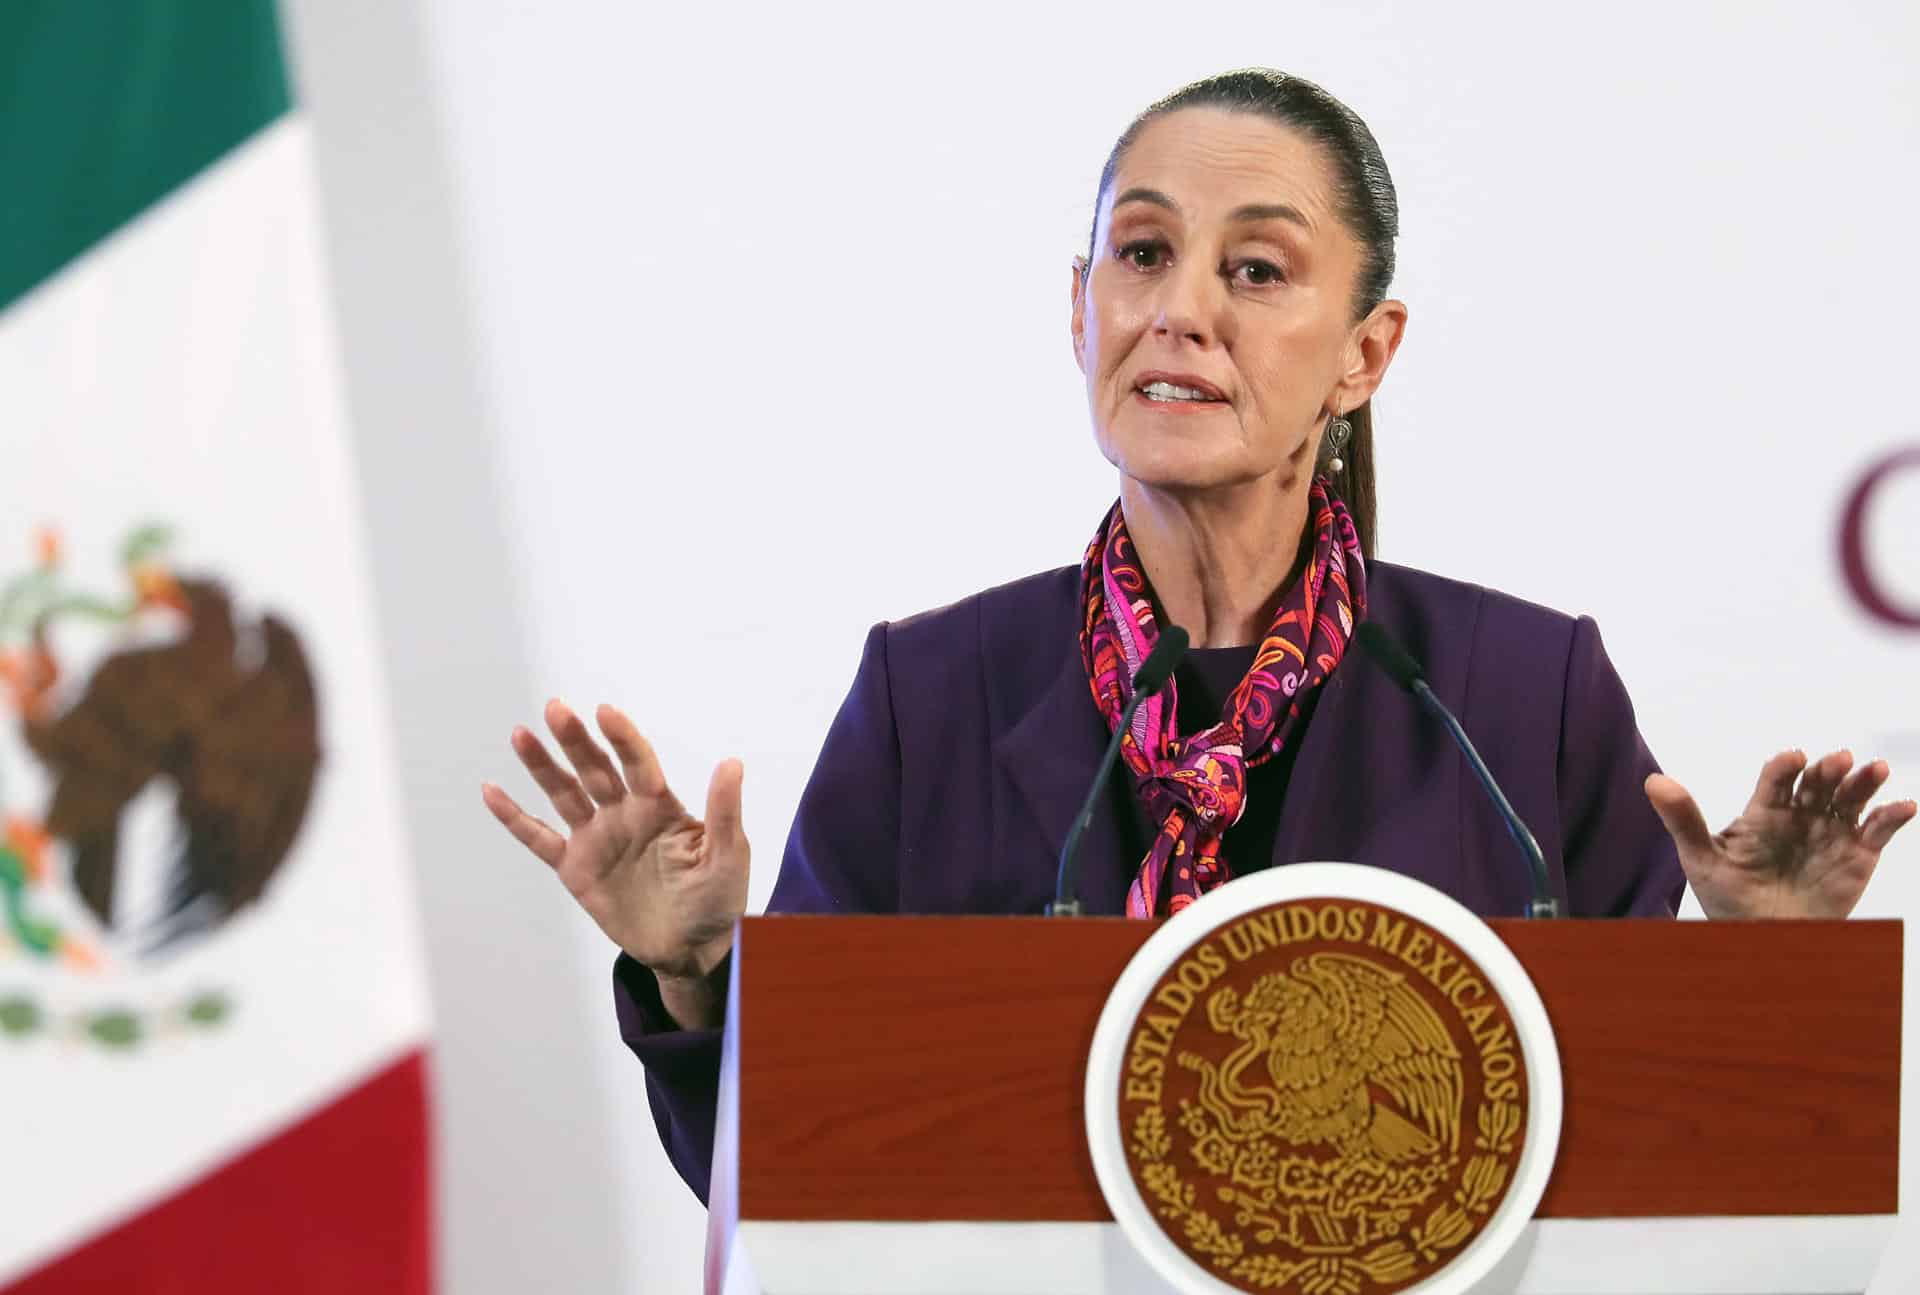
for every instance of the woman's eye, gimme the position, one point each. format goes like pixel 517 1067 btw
pixel 1145 254
pixel 1259 274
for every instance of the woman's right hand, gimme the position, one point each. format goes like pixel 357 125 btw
pixel 664 885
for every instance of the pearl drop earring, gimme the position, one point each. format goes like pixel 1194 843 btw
pixel 1339 430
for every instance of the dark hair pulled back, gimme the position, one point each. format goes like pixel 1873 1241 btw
pixel 1364 201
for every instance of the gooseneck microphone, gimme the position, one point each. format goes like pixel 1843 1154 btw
pixel 1148 680
pixel 1405 671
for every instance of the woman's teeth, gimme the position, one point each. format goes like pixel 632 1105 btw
pixel 1167 391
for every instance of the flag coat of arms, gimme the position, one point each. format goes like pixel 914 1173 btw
pixel 213 1011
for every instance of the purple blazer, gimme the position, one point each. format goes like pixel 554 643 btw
pixel 970 736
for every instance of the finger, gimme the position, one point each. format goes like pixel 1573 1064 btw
pixel 569 799
pixel 1774 790
pixel 644 774
pixel 547 845
pixel 1885 821
pixel 1858 788
pixel 597 773
pixel 1682 817
pixel 723 804
pixel 1821 779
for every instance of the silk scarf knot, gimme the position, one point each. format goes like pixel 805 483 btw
pixel 1195 787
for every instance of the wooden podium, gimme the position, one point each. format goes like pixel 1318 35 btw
pixel 901 1108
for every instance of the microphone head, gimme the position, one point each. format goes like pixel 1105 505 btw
pixel 1158 667
pixel 1388 654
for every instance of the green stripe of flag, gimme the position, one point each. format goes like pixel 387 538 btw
pixel 106 106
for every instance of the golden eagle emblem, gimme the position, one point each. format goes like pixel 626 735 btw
pixel 1346 1056
pixel 1320 1118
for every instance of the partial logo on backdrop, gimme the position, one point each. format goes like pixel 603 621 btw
pixel 1865 581
pixel 163 752
pixel 1323 1092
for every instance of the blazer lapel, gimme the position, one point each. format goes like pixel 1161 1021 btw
pixel 1302 813
pixel 1049 757
pixel 1376 783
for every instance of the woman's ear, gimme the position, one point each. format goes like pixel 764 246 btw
pixel 1080 313
pixel 1370 350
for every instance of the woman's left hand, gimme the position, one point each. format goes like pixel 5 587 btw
pixel 1802 852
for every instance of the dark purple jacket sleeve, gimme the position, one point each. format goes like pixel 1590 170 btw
pixel 841 857
pixel 1620 862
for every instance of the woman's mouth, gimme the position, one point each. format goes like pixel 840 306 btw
pixel 1176 396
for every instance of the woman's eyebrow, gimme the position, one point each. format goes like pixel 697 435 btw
pixel 1271 211
pixel 1250 211
pixel 1153 196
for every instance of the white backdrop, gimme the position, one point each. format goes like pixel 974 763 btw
pixel 762 335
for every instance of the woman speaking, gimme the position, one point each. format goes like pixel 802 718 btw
pixel 1232 322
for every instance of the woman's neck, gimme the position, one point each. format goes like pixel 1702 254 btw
pixel 1219 560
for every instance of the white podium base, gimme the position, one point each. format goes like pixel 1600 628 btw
pixel 1800 1255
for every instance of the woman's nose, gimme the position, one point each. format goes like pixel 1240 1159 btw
pixel 1187 306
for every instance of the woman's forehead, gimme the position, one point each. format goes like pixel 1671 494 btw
pixel 1211 162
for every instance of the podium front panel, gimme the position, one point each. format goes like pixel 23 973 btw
pixel 927 1068
pixel 902 1109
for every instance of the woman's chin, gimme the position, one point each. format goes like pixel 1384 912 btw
pixel 1188 474
pixel 1183 463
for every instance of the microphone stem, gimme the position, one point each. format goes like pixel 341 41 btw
pixel 1543 904
pixel 1065 902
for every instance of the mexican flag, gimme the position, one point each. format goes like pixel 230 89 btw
pixel 213 1012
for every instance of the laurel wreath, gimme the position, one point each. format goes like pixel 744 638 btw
pixel 115 1028
pixel 1448 1225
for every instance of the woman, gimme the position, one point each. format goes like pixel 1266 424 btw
pixel 1232 324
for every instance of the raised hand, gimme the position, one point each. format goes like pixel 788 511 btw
pixel 1794 851
pixel 664 885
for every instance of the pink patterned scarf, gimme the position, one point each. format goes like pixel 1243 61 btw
pixel 1195 787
